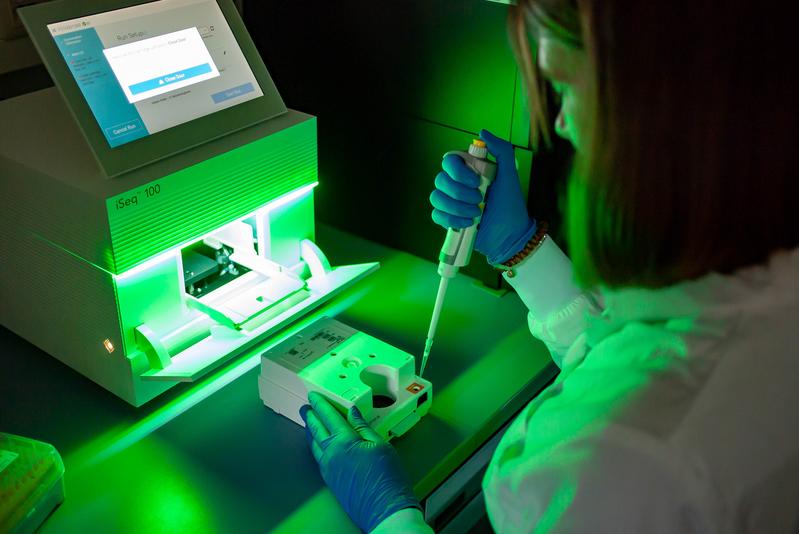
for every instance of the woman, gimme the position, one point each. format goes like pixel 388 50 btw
pixel 676 409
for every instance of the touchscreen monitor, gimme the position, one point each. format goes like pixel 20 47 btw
pixel 147 68
pixel 148 79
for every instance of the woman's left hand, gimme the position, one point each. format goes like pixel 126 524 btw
pixel 361 469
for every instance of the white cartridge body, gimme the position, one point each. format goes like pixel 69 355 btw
pixel 349 368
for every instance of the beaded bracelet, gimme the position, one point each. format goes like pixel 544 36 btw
pixel 535 241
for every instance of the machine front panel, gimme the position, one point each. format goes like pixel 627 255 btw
pixel 172 210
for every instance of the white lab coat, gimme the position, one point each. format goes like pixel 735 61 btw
pixel 676 410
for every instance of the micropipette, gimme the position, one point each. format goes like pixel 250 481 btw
pixel 459 243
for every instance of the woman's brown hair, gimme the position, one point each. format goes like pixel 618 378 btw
pixel 691 162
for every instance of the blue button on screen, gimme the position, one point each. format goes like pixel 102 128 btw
pixel 233 92
pixel 132 127
pixel 179 76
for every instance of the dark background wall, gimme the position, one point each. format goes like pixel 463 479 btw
pixel 394 86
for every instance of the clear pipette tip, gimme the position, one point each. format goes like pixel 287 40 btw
pixel 442 291
pixel 428 343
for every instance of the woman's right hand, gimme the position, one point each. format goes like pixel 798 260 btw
pixel 505 226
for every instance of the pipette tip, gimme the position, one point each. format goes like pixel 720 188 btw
pixel 428 343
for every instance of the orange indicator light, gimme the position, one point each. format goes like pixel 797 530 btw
pixel 415 387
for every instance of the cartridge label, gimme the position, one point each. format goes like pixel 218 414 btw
pixel 304 348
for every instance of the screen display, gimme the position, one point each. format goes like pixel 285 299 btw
pixel 150 67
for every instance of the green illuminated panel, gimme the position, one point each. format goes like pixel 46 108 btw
pixel 196 200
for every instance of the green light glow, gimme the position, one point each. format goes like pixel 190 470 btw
pixel 198 199
pixel 561 501
pixel 122 437
pixel 470 82
pixel 69 252
pixel 162 477
pixel 567 421
pixel 167 499
pixel 321 509
pixel 273 205
pixel 577 216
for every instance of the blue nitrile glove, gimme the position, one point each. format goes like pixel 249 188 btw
pixel 361 469
pixel 505 227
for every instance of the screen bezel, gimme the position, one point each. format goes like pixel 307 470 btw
pixel 160 145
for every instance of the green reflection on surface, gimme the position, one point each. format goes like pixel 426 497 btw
pixel 153 486
pixel 158 500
